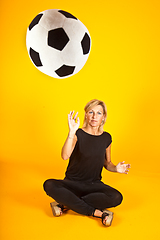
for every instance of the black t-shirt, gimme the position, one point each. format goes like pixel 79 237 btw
pixel 87 159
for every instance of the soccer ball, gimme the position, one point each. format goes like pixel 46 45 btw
pixel 58 43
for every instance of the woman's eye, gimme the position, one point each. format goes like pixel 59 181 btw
pixel 99 113
pixel 90 112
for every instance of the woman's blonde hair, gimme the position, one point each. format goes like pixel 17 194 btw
pixel 92 104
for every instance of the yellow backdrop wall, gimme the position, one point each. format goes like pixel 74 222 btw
pixel 122 70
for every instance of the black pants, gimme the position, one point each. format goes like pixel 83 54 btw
pixel 82 197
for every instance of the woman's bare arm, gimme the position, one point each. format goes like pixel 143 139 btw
pixel 73 123
pixel 120 167
pixel 108 164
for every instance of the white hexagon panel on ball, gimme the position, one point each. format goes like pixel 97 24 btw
pixel 58 43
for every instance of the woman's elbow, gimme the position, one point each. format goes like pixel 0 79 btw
pixel 64 156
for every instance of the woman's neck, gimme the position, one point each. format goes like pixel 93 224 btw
pixel 92 130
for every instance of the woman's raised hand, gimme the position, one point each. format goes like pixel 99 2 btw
pixel 73 122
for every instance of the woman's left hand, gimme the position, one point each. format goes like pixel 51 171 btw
pixel 123 168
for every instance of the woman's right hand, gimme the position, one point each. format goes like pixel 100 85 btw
pixel 73 122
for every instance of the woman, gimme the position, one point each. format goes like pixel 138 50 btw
pixel 88 150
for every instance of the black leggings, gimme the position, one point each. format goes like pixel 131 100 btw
pixel 82 197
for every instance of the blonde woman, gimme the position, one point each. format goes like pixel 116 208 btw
pixel 88 150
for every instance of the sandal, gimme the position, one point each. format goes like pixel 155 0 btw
pixel 109 216
pixel 109 212
pixel 108 222
pixel 57 209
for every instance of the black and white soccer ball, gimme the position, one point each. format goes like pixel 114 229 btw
pixel 58 43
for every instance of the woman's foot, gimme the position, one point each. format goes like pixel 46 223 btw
pixel 55 209
pixel 98 214
pixel 106 216
pixel 58 209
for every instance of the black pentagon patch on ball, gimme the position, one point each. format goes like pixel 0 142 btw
pixel 35 57
pixel 65 70
pixel 35 21
pixel 67 15
pixel 57 38
pixel 86 43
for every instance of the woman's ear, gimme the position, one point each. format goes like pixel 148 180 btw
pixel 104 117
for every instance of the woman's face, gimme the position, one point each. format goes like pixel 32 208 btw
pixel 95 116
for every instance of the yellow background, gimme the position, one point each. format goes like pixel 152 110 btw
pixel 122 70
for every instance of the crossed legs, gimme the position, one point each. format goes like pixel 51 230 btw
pixel 82 198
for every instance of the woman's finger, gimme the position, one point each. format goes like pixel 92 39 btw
pixel 72 112
pixel 70 115
pixel 78 120
pixel 75 116
pixel 122 162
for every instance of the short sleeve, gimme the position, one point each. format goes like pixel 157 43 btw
pixel 78 132
pixel 108 139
